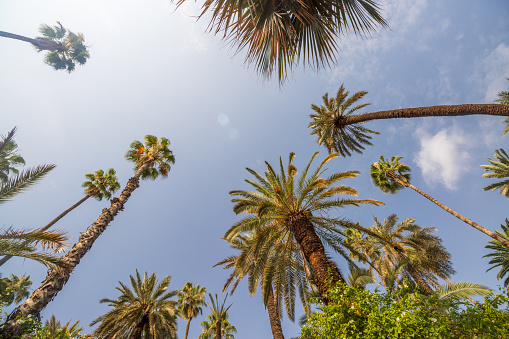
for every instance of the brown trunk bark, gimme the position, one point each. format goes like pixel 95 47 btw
pixel 325 273
pixel 275 321
pixel 218 329
pixel 57 278
pixel 63 214
pixel 187 327
pixel 138 329
pixel 39 43
pixel 431 111
pixel 307 273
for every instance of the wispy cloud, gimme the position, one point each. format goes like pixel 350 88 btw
pixel 443 157
pixel 496 68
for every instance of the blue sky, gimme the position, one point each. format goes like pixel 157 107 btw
pixel 154 70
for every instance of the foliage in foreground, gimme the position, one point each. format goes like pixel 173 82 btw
pixel 359 313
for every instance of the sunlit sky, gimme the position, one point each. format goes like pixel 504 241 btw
pixel 155 70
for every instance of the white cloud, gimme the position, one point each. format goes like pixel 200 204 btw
pixel 443 157
pixel 496 68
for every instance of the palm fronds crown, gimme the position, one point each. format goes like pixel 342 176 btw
pixel 499 169
pixel 155 153
pixel 101 184
pixel 389 175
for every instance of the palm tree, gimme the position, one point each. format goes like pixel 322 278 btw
pixel 53 329
pixel 503 98
pixel 150 160
pixel 298 207
pixel 14 289
pixel 191 299
pixel 99 185
pixel 390 176
pixel 278 35
pixel 64 47
pixel 500 255
pixel 390 243
pixel 146 311
pixel 340 129
pixel 218 320
pixel 499 169
pixel 9 159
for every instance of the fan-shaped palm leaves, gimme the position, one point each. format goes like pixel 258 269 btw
pixel 498 169
pixel 391 175
pixel 191 299
pixel 298 206
pixel 341 130
pixel 278 35
pixel 64 47
pixel 151 160
pixel 217 326
pixel 146 311
pixel 500 255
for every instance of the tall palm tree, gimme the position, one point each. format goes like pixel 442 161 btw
pixel 278 35
pixel 191 299
pixel 390 243
pixel 64 47
pixel 499 169
pixel 390 176
pixel 146 311
pixel 339 127
pixel 99 185
pixel 218 319
pixel 503 98
pixel 298 207
pixel 500 255
pixel 151 159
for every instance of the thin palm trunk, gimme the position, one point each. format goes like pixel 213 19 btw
pixel 57 278
pixel 431 111
pixel 39 43
pixel 51 223
pixel 187 327
pixel 403 182
pixel 275 320
pixel 325 273
pixel 217 335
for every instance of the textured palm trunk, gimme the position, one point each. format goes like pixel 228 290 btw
pixel 51 223
pixel 138 329
pixel 325 273
pixel 187 327
pixel 39 43
pixel 403 182
pixel 307 272
pixel 431 111
pixel 57 278
pixel 217 335
pixel 275 320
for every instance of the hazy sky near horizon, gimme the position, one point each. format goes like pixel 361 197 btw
pixel 154 70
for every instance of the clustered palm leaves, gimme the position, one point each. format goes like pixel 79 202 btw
pixel 217 325
pixel 54 329
pixel 503 98
pixel 500 255
pixel 278 35
pixel 191 299
pixel 145 311
pixel 65 48
pixel 299 208
pixel 499 169
pixel 14 289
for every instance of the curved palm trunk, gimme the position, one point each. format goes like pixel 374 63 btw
pixel 431 111
pixel 403 182
pixel 275 321
pixel 187 327
pixel 57 278
pixel 325 273
pixel 52 222
pixel 217 335
pixel 39 43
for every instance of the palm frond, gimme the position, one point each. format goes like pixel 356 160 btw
pixel 21 182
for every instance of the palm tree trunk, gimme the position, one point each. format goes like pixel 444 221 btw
pixel 138 329
pixel 307 272
pixel 403 182
pixel 217 335
pixel 57 278
pixel 39 43
pixel 325 273
pixel 187 327
pixel 413 273
pixel 431 111
pixel 63 214
pixel 275 321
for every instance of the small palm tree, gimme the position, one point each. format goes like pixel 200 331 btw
pixel 64 47
pixel 99 185
pixel 53 329
pixel 191 299
pixel 503 98
pixel 146 311
pixel 151 159
pixel 278 35
pixel 500 255
pixel 218 318
pixel 340 130
pixel 499 169
pixel 9 158
pixel 14 289
pixel 390 176
pixel 299 207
